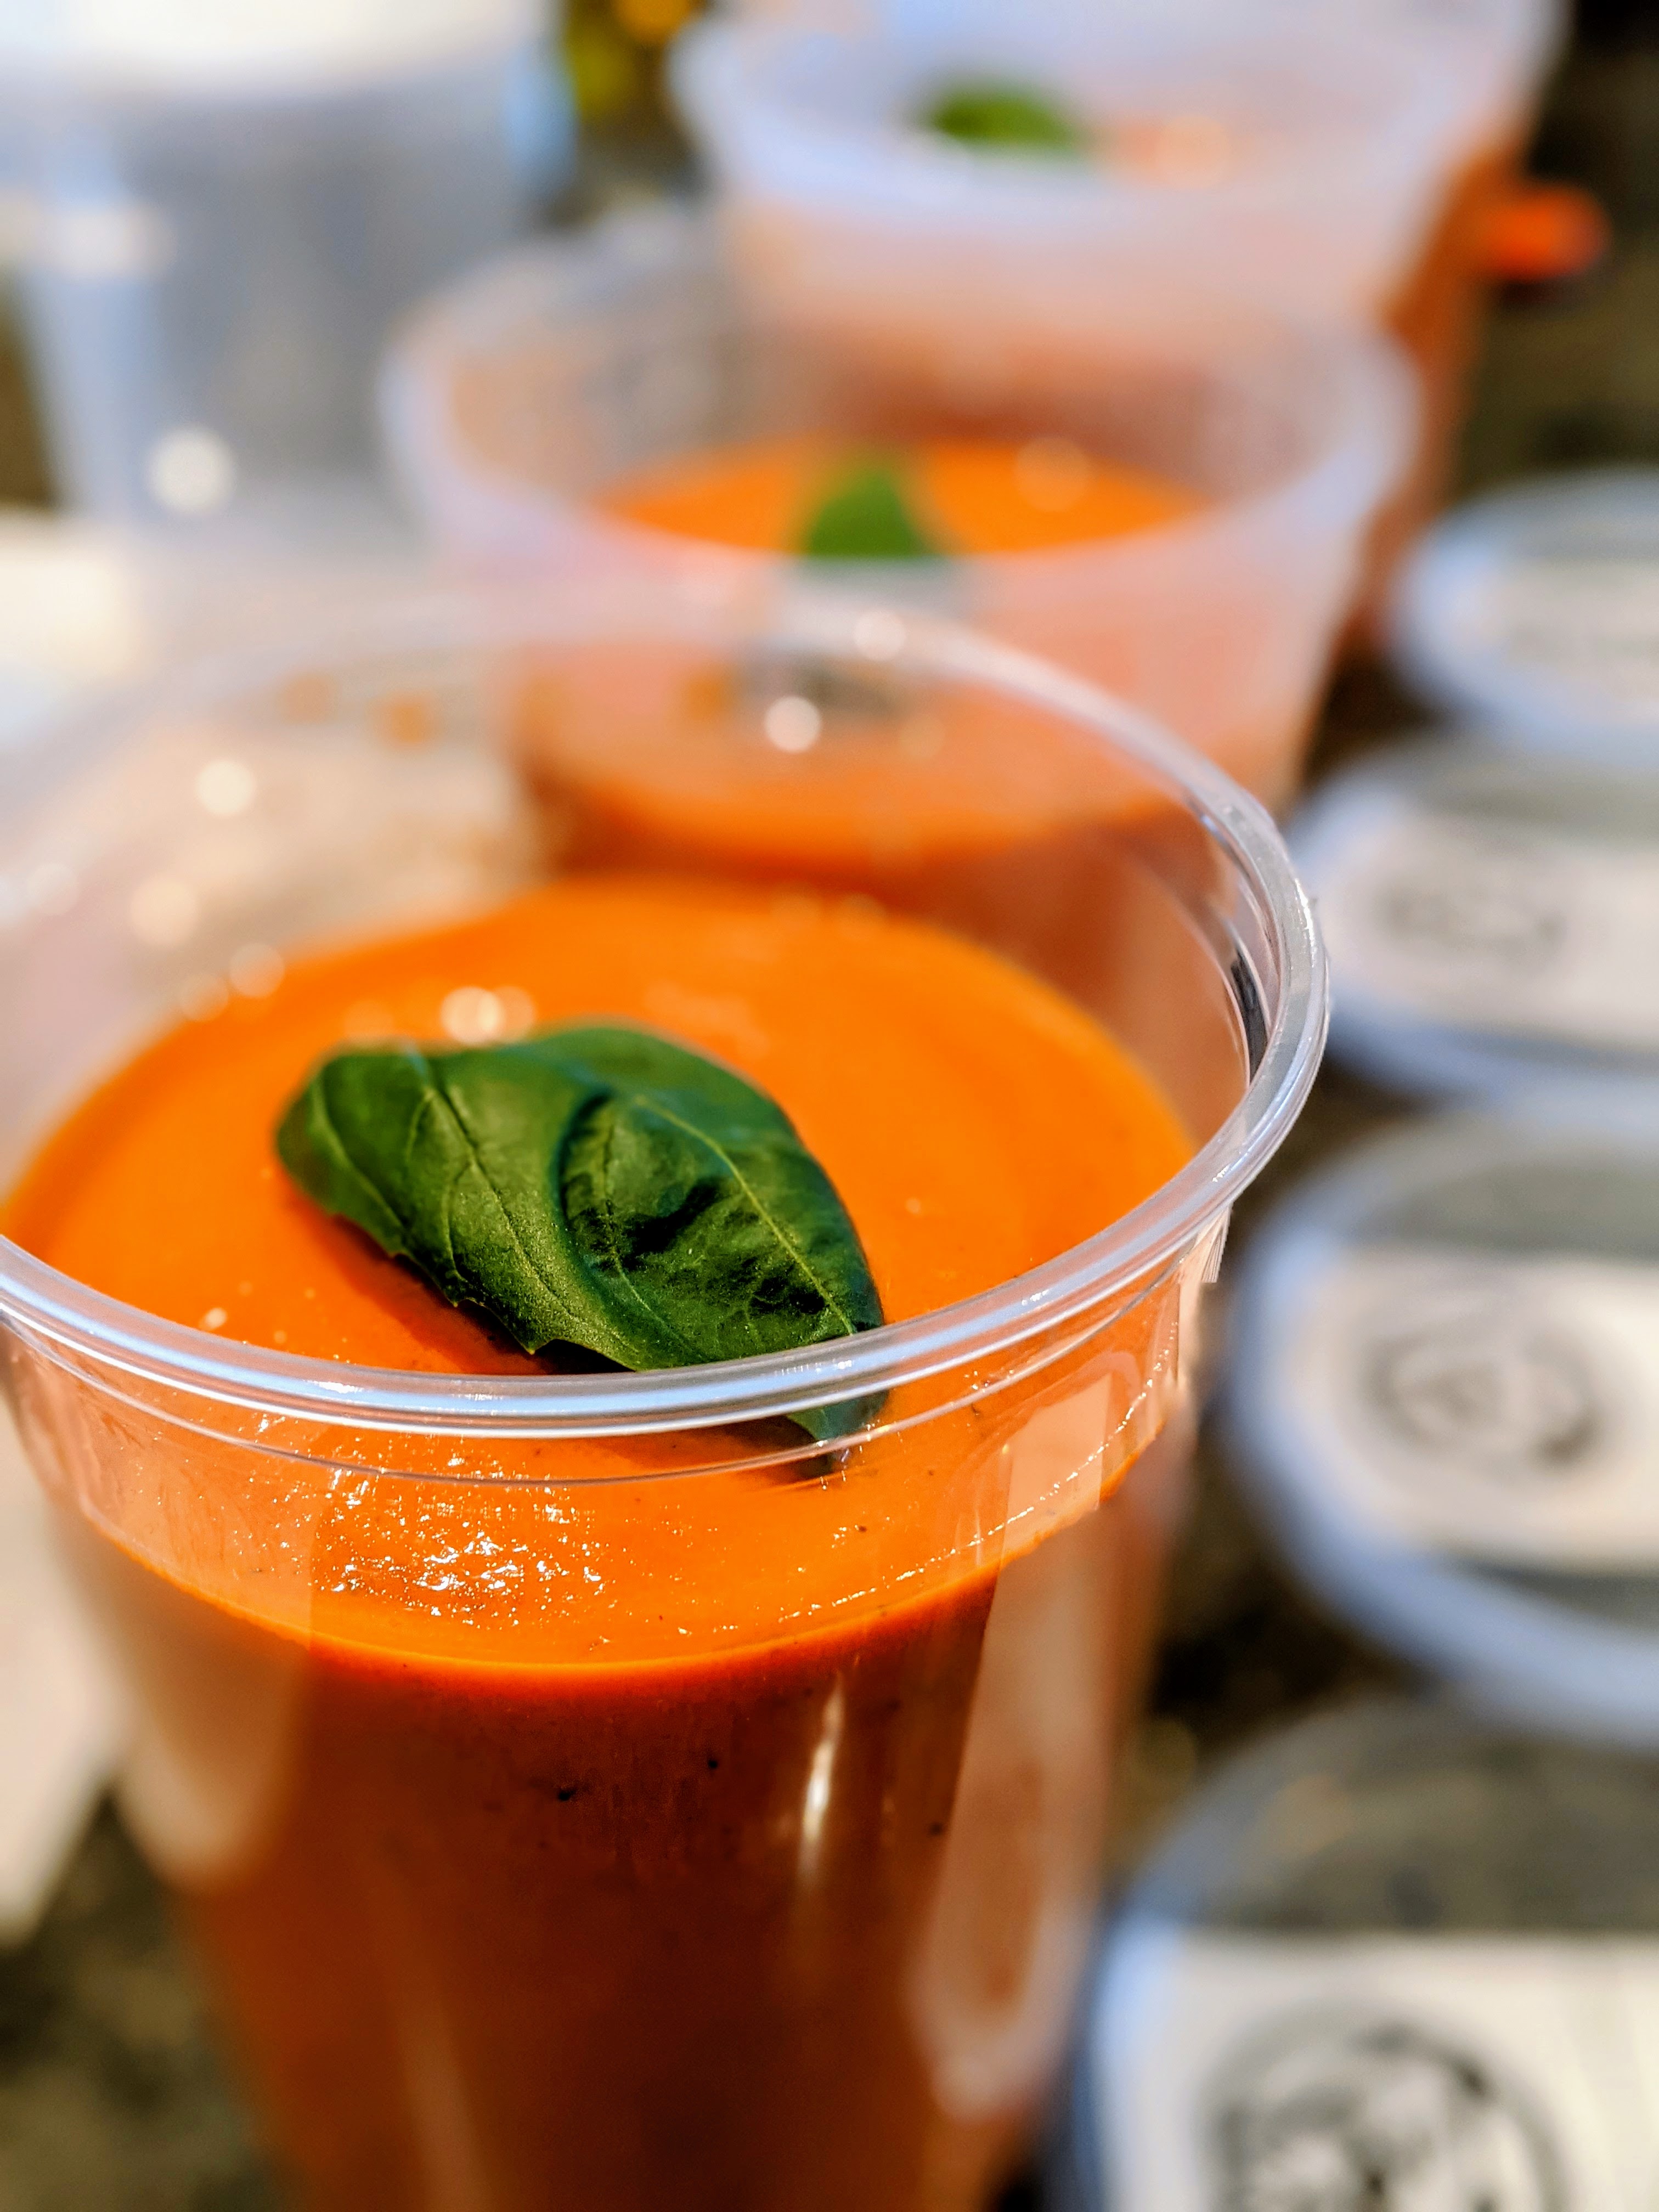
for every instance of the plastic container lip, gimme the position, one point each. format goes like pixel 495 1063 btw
pixel 1503 1651
pixel 1366 442
pixel 1291 997
pixel 887 165
pixel 1419 1053
pixel 1502 49
pixel 1613 511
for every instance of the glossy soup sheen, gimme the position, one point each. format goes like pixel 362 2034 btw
pixel 972 495
pixel 726 1840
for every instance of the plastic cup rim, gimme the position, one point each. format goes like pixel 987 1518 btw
pixel 1412 110
pixel 1354 467
pixel 42 1303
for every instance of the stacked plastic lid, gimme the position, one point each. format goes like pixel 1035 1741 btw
pixel 1536 613
pixel 1493 918
pixel 1445 1397
pixel 1397 1960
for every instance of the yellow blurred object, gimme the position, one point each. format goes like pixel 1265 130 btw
pixel 613 49
pixel 654 22
pixel 605 76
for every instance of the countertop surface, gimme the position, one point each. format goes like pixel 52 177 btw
pixel 111 2097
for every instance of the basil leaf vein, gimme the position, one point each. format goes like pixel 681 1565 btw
pixel 595 1186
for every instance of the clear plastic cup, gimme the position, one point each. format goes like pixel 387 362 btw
pixel 510 402
pixel 787 1915
pixel 1384 135
pixel 1276 162
pixel 217 214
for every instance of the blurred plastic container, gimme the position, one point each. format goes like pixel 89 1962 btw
pixel 1445 1387
pixel 1536 612
pixel 217 212
pixel 1370 144
pixel 1492 921
pixel 511 402
pixel 1281 164
pixel 1394 1958
pixel 1492 58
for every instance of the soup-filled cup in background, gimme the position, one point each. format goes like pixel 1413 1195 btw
pixel 1332 163
pixel 538 413
pixel 586 1787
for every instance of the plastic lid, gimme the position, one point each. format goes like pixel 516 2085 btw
pixel 1445 1390
pixel 208 46
pixel 1395 1958
pixel 1492 919
pixel 1536 612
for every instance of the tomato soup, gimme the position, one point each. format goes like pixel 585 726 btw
pixel 703 1818
pixel 968 495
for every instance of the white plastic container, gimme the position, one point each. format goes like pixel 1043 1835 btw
pixel 1445 1391
pixel 1372 139
pixel 1392 1956
pixel 1497 52
pixel 218 212
pixel 1536 612
pixel 1492 921
pixel 1285 164
pixel 511 401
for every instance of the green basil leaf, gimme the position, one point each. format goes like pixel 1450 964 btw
pixel 997 116
pixel 864 516
pixel 600 1186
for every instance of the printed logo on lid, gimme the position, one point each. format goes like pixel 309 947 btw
pixel 1483 1380
pixel 1496 1407
pixel 1496 910
pixel 1333 2110
pixel 1499 929
pixel 1591 621
pixel 1376 2071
